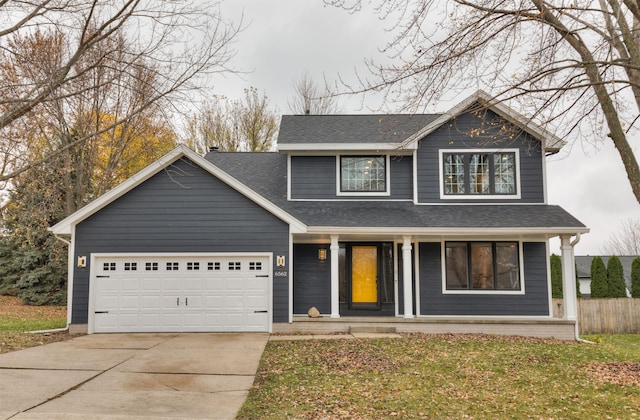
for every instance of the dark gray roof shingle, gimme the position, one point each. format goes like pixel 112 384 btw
pixel 308 129
pixel 266 174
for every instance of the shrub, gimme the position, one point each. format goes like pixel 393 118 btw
pixel 556 276
pixel 635 278
pixel 599 285
pixel 615 278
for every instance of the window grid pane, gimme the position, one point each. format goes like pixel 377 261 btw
pixel 504 173
pixel 482 266
pixel 454 174
pixel 457 265
pixel 507 271
pixel 479 174
pixel 363 174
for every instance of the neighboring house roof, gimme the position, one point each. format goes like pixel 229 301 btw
pixel 389 132
pixel 266 174
pixel 583 265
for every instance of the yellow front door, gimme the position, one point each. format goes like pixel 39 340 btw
pixel 364 274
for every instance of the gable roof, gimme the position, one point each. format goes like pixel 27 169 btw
pixel 65 226
pixel 583 264
pixel 393 131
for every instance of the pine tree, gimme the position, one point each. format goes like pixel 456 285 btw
pixel 599 285
pixel 635 278
pixel 556 276
pixel 578 292
pixel 615 278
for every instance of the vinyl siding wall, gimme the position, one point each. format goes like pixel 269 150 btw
pixel 535 301
pixel 311 279
pixel 314 178
pixel 181 209
pixel 455 135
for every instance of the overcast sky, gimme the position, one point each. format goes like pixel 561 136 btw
pixel 285 39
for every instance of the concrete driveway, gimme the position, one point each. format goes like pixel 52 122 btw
pixel 142 376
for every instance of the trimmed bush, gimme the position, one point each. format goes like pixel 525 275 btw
pixel 635 278
pixel 615 278
pixel 599 285
pixel 556 276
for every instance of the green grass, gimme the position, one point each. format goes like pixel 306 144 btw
pixel 447 376
pixel 16 319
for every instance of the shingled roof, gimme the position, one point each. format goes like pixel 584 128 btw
pixel 266 174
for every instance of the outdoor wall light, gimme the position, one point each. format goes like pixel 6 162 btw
pixel 82 261
pixel 322 254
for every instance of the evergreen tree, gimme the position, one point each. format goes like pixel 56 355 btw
pixel 599 285
pixel 635 278
pixel 556 276
pixel 578 292
pixel 615 278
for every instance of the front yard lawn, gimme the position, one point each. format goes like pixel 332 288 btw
pixel 16 319
pixel 447 376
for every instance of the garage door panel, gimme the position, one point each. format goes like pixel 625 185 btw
pixel 192 293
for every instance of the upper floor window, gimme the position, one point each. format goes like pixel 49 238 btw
pixel 479 173
pixel 363 174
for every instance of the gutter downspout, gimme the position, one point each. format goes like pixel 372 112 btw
pixel 55 330
pixel 578 339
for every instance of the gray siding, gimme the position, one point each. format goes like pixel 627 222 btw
pixel 311 279
pixel 181 209
pixel 455 135
pixel 535 301
pixel 314 178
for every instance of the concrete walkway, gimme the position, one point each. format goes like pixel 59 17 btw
pixel 120 376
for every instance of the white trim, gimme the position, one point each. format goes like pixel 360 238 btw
pixel 341 147
pixel 395 277
pixel 484 292
pixel 93 267
pixel 445 231
pixel 387 181
pixel 64 226
pixel 549 286
pixel 290 277
pixel 443 196
pixel 415 176
pixel 71 251
pixel 416 274
pixel 288 177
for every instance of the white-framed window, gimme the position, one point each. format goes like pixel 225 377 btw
pixel 362 175
pixel 479 174
pixel 482 267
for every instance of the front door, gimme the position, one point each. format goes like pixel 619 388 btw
pixel 364 276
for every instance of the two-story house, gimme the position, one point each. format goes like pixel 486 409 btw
pixel 432 222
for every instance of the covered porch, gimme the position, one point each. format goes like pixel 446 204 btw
pixel 406 313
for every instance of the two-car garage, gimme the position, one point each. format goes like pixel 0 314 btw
pixel 180 292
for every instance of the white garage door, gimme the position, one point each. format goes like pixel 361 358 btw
pixel 163 293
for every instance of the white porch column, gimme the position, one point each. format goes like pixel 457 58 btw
pixel 335 278
pixel 568 278
pixel 407 275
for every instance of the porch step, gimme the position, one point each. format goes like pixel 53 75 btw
pixel 359 329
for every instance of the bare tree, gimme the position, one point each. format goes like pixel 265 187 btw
pixel 574 66
pixel 175 44
pixel 310 99
pixel 247 125
pixel 626 241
